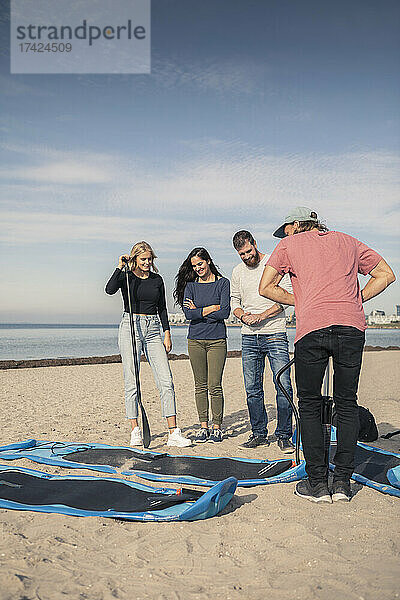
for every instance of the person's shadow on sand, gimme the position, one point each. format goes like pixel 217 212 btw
pixel 235 424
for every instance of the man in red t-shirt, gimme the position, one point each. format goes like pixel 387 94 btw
pixel 323 266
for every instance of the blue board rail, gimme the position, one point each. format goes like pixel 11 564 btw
pixel 30 490
pixel 155 466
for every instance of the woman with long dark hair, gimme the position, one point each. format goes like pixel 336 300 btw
pixel 204 295
pixel 149 308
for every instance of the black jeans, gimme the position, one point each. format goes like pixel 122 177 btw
pixel 345 345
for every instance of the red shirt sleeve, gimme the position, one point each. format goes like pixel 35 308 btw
pixel 279 259
pixel 367 258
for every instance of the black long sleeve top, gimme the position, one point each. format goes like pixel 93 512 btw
pixel 147 295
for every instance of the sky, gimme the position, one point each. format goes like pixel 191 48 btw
pixel 252 107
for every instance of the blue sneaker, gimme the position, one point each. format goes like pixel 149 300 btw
pixel 202 436
pixel 215 435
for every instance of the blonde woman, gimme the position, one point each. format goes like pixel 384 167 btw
pixel 148 308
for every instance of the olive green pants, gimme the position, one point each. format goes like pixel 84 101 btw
pixel 207 359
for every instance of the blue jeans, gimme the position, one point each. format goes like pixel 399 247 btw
pixel 148 340
pixel 255 348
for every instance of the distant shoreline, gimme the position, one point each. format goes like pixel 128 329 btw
pixel 116 325
pixel 116 358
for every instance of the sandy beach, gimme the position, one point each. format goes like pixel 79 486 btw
pixel 266 544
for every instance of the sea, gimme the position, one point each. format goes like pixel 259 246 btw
pixel 28 341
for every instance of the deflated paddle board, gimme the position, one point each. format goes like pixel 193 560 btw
pixel 376 468
pixel 26 489
pixel 155 466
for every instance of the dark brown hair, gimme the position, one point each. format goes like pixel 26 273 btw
pixel 186 272
pixel 241 237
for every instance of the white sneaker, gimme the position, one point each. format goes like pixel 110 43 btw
pixel 136 437
pixel 177 439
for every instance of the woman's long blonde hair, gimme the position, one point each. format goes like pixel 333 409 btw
pixel 139 248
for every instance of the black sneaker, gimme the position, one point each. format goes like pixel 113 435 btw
pixel 285 445
pixel 202 436
pixel 341 491
pixel 314 493
pixel 215 435
pixel 254 441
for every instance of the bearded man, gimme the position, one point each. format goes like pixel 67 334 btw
pixel 263 335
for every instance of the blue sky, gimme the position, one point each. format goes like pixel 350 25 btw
pixel 252 107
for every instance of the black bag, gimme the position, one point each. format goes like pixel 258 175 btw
pixel 368 430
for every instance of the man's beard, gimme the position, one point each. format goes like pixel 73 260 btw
pixel 254 261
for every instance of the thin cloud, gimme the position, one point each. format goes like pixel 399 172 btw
pixel 50 228
pixel 53 166
pixel 67 173
pixel 234 76
pixel 217 182
pixel 352 189
pixel 45 152
pixel 12 85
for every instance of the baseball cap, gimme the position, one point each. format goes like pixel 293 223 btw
pixel 300 213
